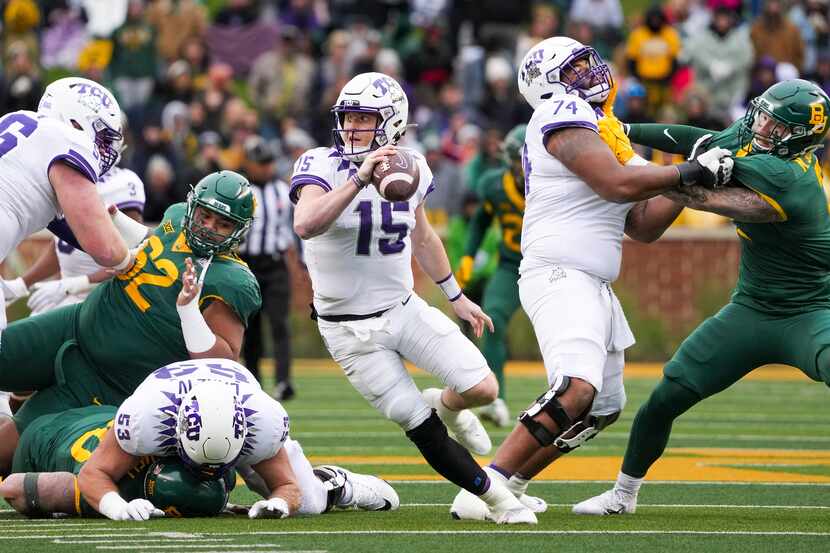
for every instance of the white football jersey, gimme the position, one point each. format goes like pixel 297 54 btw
pixel 29 145
pixel 120 187
pixel 363 262
pixel 146 422
pixel 565 221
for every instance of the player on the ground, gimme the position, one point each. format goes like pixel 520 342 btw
pixel 359 250
pixel 780 309
pixel 215 416
pixel 50 161
pixel 579 201
pixel 158 312
pixel 503 199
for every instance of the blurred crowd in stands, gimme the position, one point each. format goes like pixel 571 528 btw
pixel 197 78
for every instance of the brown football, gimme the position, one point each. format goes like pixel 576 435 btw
pixel 397 178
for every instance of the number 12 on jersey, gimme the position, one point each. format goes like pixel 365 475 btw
pixel 387 246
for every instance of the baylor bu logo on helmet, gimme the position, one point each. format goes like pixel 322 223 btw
pixel 228 195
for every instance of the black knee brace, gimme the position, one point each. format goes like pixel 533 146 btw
pixel 449 458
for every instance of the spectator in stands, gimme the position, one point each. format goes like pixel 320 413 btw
pixel 773 34
pixel 544 23
pixel 430 63
pixel 103 17
pixel 721 57
pixel 605 18
pixel 195 53
pixel 23 85
pixel 763 76
pixel 175 22
pixel 206 159
pixel 216 94
pixel 488 156
pixel 281 80
pixel 160 188
pixel 698 113
pixel 821 75
pixel 502 106
pixel 237 12
pixel 133 66
pixel 651 53
pixel 63 39
pixel 811 18
pixel 445 200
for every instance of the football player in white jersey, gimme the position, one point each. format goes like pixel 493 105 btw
pixel 580 200
pixel 50 161
pixel 79 273
pixel 213 414
pixel 358 249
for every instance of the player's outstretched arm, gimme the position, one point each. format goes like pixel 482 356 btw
pixel 107 465
pixel 649 219
pixel 736 202
pixel 88 219
pixel 39 493
pixel 674 139
pixel 432 257
pixel 279 478
pixel 317 209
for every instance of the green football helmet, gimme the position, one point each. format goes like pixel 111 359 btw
pixel 511 146
pixel 173 488
pixel 788 120
pixel 224 193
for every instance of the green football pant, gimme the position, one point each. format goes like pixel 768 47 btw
pixel 41 353
pixel 501 300
pixel 718 353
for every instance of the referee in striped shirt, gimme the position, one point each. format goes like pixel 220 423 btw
pixel 270 237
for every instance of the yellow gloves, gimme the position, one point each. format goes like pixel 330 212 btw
pixel 465 271
pixel 611 130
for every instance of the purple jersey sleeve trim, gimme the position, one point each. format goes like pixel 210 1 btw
pixel 76 161
pixel 547 129
pixel 131 205
pixel 60 228
pixel 298 181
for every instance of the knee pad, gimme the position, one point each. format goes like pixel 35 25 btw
pixel 548 403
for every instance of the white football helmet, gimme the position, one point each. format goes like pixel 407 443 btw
pixel 540 74
pixel 210 429
pixel 87 106
pixel 371 93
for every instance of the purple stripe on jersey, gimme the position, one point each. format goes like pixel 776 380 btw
pixel 430 188
pixel 547 129
pixel 298 181
pixel 76 161
pixel 131 205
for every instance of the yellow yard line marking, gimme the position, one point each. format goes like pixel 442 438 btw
pixel 679 465
pixel 537 369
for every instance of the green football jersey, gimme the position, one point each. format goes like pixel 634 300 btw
pixel 503 199
pixel 129 326
pixel 785 266
pixel 63 442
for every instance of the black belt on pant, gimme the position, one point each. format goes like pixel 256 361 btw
pixel 347 318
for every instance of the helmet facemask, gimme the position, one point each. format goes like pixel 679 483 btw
pixel 592 84
pixel 205 241
pixel 109 143
pixel 344 138
pixel 769 134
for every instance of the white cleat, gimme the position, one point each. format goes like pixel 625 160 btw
pixel 467 506
pixel 612 502
pixel 464 425
pixel 496 412
pixel 535 504
pixel 369 493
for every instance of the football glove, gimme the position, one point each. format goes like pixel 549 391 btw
pixel 711 169
pixel 13 290
pixel 276 507
pixel 114 507
pixel 699 147
pixel 465 271
pixel 51 292
pixel 612 132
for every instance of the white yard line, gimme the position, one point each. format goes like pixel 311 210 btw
pixel 661 506
pixel 647 482
pixel 511 531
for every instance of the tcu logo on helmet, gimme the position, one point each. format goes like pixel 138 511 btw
pixel 238 422
pixel 192 426
pixel 92 96
pixel 531 69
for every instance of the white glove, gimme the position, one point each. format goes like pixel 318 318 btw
pixel 698 146
pixel 719 162
pixel 276 507
pixel 130 230
pixel 13 290
pixel 51 292
pixel 114 507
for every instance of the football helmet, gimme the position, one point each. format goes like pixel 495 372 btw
pixel 210 429
pixel 89 107
pixel 370 93
pixel 511 146
pixel 171 487
pixel 227 194
pixel 549 68
pixel 788 120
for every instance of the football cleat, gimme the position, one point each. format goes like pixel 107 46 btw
pixel 464 425
pixel 535 504
pixel 508 510
pixel 368 493
pixel 612 502
pixel 467 506
pixel 496 412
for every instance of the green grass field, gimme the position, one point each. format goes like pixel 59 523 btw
pixel 748 470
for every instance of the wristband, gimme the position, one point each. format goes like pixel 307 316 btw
pixel 112 505
pixel 128 259
pixel 360 183
pixel 198 337
pixel 450 287
pixel 130 230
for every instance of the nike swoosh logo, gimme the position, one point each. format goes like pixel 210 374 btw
pixel 619 510
pixel 670 137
